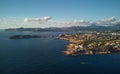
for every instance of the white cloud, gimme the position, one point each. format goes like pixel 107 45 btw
pixel 26 20
pixel 108 21
pixel 14 22
pixel 37 20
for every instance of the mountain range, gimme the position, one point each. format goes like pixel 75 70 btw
pixel 73 28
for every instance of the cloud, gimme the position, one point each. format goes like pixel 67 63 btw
pixel 26 20
pixel 38 20
pixel 56 23
pixel 12 22
pixel 82 22
pixel 111 21
pixel 108 21
pixel 76 23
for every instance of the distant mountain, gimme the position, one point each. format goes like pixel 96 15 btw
pixel 73 28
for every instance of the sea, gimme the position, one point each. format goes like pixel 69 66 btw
pixel 45 56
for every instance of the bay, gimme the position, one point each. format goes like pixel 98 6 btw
pixel 44 56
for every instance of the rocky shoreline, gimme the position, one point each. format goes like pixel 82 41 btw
pixel 89 44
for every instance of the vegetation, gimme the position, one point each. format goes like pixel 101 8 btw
pixel 101 43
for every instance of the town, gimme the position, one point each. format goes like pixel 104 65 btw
pixel 92 43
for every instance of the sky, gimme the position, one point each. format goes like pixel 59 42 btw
pixel 62 13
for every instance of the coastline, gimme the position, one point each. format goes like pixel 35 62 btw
pixel 90 44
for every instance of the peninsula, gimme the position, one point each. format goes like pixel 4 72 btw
pixel 88 44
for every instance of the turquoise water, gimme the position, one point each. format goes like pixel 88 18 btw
pixel 44 56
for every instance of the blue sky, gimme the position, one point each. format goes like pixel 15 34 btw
pixel 60 10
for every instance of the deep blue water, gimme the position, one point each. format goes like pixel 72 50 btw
pixel 44 56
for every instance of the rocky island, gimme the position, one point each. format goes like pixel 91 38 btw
pixel 29 36
pixel 88 44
